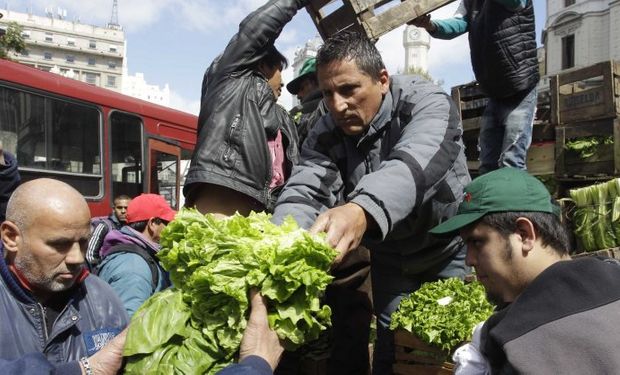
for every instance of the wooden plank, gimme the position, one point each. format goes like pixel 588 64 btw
pixel 553 88
pixel 541 158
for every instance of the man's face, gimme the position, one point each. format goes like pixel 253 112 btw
pixel 352 97
pixel 305 88
pixel 50 251
pixel 120 209
pixel 496 261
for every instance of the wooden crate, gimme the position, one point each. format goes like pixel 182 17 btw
pixel 586 94
pixel 607 253
pixel 413 356
pixel 606 160
pixel 540 159
pixel 371 17
pixel 471 102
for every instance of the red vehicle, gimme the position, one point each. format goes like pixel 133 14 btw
pixel 100 142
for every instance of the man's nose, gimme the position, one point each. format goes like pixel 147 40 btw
pixel 340 104
pixel 75 254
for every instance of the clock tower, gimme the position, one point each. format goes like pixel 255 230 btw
pixel 417 43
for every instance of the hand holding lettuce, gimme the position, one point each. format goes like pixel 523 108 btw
pixel 196 327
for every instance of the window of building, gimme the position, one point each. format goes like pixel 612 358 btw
pixel 90 78
pixel 92 61
pixel 113 48
pixel 25 53
pixel 568 3
pixel 111 81
pixel 49 37
pixel 53 137
pixel 92 44
pixel 71 42
pixel 111 65
pixel 44 68
pixel 70 59
pixel 47 55
pixel 26 34
pixel 568 51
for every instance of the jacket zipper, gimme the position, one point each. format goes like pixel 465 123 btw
pixel 43 315
pixel 233 126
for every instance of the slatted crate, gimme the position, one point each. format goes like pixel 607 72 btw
pixel 371 17
pixel 604 162
pixel 414 357
pixel 471 102
pixel 586 94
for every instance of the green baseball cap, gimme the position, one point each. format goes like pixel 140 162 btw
pixel 503 190
pixel 308 68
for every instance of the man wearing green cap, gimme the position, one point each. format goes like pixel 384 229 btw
pixel 311 107
pixel 554 314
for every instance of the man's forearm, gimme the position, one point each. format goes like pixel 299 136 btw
pixel 449 28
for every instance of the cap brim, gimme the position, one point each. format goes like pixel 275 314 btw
pixel 293 86
pixel 169 216
pixel 457 222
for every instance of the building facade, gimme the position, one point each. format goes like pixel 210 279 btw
pixel 137 87
pixel 92 54
pixel 579 33
pixel 301 55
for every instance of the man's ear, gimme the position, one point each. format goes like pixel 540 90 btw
pixel 11 236
pixel 384 79
pixel 527 233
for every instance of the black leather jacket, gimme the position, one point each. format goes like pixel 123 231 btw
pixel 239 113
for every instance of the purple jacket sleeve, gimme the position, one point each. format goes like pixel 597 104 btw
pixel 252 365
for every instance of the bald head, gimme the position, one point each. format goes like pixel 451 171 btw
pixel 43 197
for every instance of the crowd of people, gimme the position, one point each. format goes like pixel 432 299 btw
pixel 373 160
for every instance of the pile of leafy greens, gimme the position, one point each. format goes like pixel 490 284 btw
pixel 587 147
pixel 596 219
pixel 196 326
pixel 443 313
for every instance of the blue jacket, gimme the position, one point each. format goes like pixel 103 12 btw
pixel 91 318
pixel 252 365
pixel 128 273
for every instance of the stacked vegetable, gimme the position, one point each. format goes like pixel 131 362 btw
pixel 196 326
pixel 587 147
pixel 596 218
pixel 443 313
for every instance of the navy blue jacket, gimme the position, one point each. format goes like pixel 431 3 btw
pixel 92 317
pixel 252 365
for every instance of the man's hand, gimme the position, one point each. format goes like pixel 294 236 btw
pixel 258 339
pixel 109 359
pixel 424 22
pixel 345 225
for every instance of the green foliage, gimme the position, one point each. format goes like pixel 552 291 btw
pixel 587 146
pixel 196 327
pixel 596 219
pixel 12 40
pixel 443 313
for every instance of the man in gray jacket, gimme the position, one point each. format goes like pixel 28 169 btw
pixel 384 166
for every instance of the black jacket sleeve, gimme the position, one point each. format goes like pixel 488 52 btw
pixel 9 180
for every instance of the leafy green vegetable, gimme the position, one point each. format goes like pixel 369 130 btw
pixel 196 327
pixel 587 146
pixel 443 313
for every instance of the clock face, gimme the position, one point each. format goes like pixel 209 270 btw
pixel 414 33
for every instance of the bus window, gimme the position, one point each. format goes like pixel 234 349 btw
pixel 165 171
pixel 53 137
pixel 126 154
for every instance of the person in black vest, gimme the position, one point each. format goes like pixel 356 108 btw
pixel 502 40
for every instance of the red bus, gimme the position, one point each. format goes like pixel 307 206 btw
pixel 100 142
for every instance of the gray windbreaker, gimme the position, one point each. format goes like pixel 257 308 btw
pixel 408 172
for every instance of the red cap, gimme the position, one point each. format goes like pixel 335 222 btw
pixel 146 206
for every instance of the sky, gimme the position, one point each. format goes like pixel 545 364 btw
pixel 173 41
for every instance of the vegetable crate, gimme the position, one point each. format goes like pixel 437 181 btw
pixel 586 94
pixel 471 102
pixel 413 356
pixel 540 155
pixel 601 149
pixel 371 17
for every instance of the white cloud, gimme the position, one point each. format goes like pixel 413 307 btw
pixel 177 101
